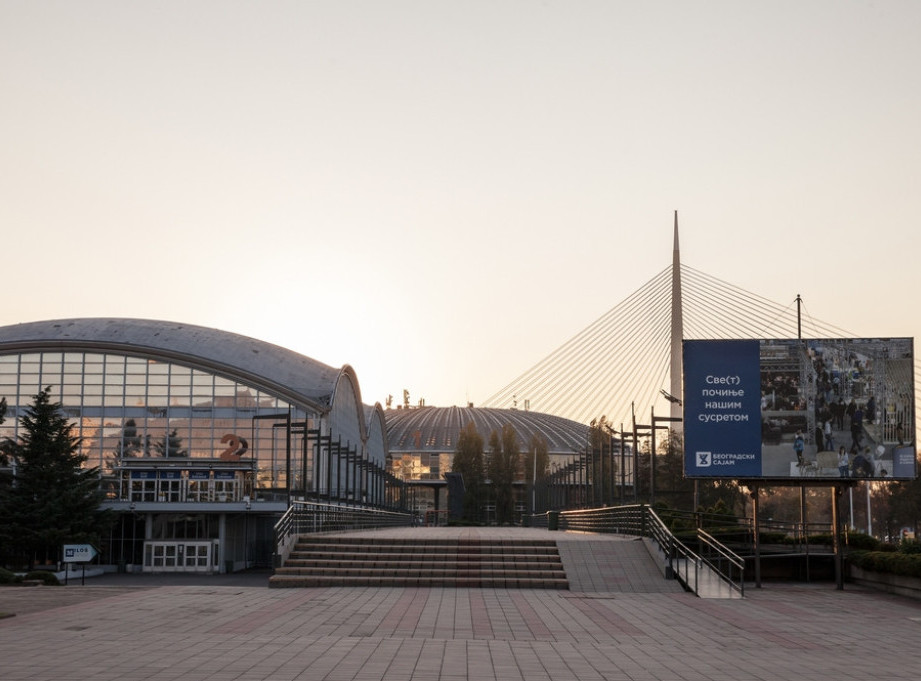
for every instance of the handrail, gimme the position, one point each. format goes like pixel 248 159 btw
pixel 718 556
pixel 680 561
pixel 308 517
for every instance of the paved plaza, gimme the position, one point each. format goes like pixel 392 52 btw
pixel 620 620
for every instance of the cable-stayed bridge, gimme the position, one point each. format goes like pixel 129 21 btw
pixel 629 360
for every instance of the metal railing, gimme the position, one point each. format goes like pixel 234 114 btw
pixel 307 517
pixel 727 565
pixel 611 519
pixel 680 561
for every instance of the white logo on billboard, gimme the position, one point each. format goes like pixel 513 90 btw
pixel 704 459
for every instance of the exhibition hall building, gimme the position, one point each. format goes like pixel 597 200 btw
pixel 203 439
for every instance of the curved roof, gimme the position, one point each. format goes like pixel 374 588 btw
pixel 435 429
pixel 291 375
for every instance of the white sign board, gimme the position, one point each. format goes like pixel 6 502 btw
pixel 79 553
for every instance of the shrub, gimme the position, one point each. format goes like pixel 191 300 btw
pixel 8 577
pixel 864 542
pixel 907 565
pixel 910 546
pixel 826 539
pixel 43 576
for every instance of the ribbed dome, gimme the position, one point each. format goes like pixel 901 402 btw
pixel 435 429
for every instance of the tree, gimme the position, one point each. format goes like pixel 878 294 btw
pixel 170 445
pixel 601 462
pixel 504 463
pixel 468 461
pixel 53 500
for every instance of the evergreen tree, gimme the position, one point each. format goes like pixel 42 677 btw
pixel 53 500
pixel 171 445
pixel 130 443
pixel 468 461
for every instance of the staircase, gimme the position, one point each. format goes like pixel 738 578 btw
pixel 402 562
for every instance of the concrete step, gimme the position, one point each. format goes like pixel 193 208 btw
pixel 279 581
pixel 376 562
pixel 373 561
pixel 466 549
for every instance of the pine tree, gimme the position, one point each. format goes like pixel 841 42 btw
pixel 170 445
pixel 53 500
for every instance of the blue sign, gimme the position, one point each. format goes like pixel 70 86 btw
pixel 722 408
pixel 903 462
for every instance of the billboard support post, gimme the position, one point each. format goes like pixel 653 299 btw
pixel 837 491
pixel 756 533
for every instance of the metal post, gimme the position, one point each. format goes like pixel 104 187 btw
pixel 756 536
pixel 623 467
pixel 836 494
pixel 652 457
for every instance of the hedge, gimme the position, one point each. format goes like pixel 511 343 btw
pixel 896 563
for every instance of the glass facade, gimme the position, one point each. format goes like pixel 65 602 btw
pixel 129 411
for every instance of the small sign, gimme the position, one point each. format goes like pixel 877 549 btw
pixel 79 553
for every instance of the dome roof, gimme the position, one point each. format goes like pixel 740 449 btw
pixel 289 374
pixel 435 429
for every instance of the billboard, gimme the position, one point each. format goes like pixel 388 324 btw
pixel 782 408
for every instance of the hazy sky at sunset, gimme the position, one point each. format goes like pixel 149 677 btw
pixel 442 193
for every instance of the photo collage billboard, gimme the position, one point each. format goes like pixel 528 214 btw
pixel 831 408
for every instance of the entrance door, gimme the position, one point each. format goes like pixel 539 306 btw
pixel 178 556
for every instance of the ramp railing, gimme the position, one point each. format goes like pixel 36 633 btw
pixel 307 517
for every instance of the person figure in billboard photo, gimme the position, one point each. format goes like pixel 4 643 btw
pixel 799 444
pixel 857 428
pixel 863 465
pixel 849 410
pixel 843 462
pixel 838 410
pixel 829 439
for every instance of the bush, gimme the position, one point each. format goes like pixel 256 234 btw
pixel 863 542
pixel 7 577
pixel 825 539
pixel 904 564
pixel 43 576
pixel 910 546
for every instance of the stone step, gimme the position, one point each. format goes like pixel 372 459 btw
pixel 396 541
pixel 428 562
pixel 425 548
pixel 503 573
pixel 372 561
pixel 433 557
pixel 279 581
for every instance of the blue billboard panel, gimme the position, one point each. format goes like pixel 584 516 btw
pixel 831 408
pixel 722 409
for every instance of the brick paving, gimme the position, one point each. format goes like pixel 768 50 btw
pixel 616 625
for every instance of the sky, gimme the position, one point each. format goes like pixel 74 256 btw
pixel 440 194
